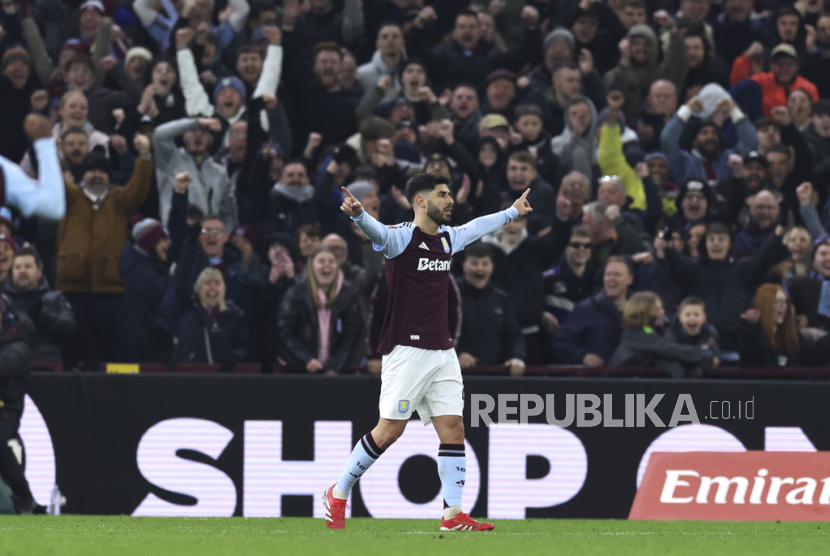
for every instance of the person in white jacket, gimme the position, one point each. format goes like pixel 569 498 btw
pixel 385 62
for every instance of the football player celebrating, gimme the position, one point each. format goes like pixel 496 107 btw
pixel 420 367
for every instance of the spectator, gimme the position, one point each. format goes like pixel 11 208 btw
pixel 806 291
pixel 537 141
pixel 102 101
pixel 16 335
pixel 246 240
pixel 592 331
pixel 725 286
pixel 704 67
pixel 781 79
pixel 736 28
pixel 571 281
pixel 319 320
pixel 145 266
pixel 386 60
pixel 612 160
pixel 645 342
pixel 689 327
pixel 763 217
pixel 307 239
pixel 322 22
pixel 638 67
pixel 610 233
pixel 464 106
pixel 213 330
pixel 770 336
pixel 281 276
pixel 566 86
pixel 798 242
pixel 26 292
pixel 817 136
pixel 211 189
pixel 521 175
pixel 814 61
pixel 16 87
pixel 661 104
pixel 710 163
pixel 596 28
pixel 74 148
pixel 90 238
pixel 558 48
pixel 576 145
pixel 490 333
pixel 8 246
pixel 800 107
pixel 289 204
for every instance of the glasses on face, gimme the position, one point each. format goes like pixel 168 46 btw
pixel 579 245
pixel 211 231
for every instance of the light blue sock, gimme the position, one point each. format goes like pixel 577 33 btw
pixel 365 453
pixel 452 468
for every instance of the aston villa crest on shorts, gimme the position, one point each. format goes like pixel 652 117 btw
pixel 445 244
pixel 403 406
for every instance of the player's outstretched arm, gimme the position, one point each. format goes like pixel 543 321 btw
pixel 464 235
pixel 390 241
pixel 47 198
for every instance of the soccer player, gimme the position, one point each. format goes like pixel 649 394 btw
pixel 46 198
pixel 420 367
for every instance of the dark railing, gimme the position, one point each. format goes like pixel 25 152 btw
pixel 579 371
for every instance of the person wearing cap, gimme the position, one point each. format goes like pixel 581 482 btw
pixel 779 81
pixel 639 67
pixel 27 292
pixel 212 190
pixel 389 53
pixel 90 239
pixel 497 127
pixel 466 57
pixel 17 84
pixel 726 286
pixel 144 264
pixel 708 159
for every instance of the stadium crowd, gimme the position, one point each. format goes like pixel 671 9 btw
pixel 677 156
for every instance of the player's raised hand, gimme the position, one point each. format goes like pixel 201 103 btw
pixel 522 204
pixel 351 205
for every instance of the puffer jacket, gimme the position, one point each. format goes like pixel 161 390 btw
pixel 203 339
pixel 298 327
pixel 16 335
pixel 146 278
pixel 50 312
pixel 726 286
pixel 593 327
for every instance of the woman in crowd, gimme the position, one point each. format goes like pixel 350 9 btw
pixel 280 277
pixel 799 242
pixel 770 336
pixel 646 342
pixel 213 330
pixel 319 321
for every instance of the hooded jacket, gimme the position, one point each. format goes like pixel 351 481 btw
pixel 635 80
pixel 577 153
pixel 49 311
pixel 370 73
pixel 726 286
pixel 205 339
pixel 593 327
pixel 649 347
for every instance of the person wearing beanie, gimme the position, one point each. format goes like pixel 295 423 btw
pixel 708 159
pixel 90 239
pixel 137 63
pixel 17 83
pixel 558 48
pixel 229 98
pixel 27 292
pixel 144 264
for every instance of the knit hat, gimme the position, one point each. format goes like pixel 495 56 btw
pixel 248 233
pixel 16 54
pixel 234 82
pixel 138 52
pixel 695 185
pixel 147 233
pixel 96 161
pixel 10 240
pixel 360 189
pixel 823 240
pixel 93 5
pixel 560 34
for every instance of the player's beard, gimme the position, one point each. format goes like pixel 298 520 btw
pixel 438 215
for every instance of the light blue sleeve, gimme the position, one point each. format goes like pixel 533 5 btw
pixel 462 236
pixel 391 241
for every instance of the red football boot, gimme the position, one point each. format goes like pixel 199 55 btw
pixel 335 510
pixel 463 522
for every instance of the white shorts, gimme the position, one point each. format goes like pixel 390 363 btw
pixel 424 380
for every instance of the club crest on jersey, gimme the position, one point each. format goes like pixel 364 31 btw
pixel 403 406
pixel 445 244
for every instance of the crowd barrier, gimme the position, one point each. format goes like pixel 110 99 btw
pixel 266 445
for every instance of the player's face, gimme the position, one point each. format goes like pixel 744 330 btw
pixel 440 204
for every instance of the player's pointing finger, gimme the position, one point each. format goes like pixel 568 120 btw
pixel 347 192
pixel 524 195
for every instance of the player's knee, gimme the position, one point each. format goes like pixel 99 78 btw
pixel 386 436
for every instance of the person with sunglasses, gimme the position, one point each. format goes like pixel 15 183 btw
pixel 568 282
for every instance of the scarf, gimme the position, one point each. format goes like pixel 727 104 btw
pixel 324 320
pixel 298 194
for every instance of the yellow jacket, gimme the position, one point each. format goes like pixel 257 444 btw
pixel 612 162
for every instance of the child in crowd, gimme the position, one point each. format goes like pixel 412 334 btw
pixel 537 141
pixel 646 343
pixel 689 327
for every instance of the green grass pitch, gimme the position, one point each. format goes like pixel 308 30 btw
pixel 125 536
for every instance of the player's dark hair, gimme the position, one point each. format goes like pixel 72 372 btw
pixel 421 183
pixel 479 250
pixel 30 251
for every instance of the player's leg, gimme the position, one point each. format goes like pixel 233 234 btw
pixel 444 401
pixel 11 467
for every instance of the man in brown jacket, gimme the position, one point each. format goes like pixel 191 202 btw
pixel 90 239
